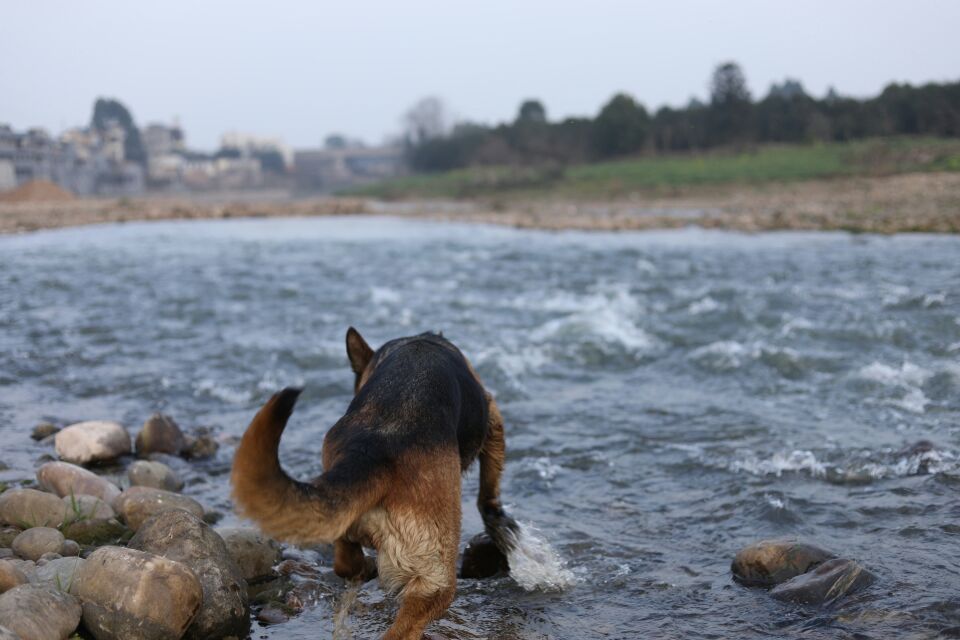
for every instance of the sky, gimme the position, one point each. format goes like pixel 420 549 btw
pixel 300 70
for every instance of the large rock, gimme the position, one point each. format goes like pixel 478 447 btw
pixel 770 562
pixel 138 504
pixel 27 508
pixel 6 634
pixel 10 576
pixel 65 479
pixel 35 612
pixel 160 434
pixel 131 594
pixel 59 574
pixel 81 507
pixel 94 441
pixel 183 537
pixel 96 532
pixel 827 583
pixel 482 558
pixel 144 473
pixel 254 553
pixel 33 543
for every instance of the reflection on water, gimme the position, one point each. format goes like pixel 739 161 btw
pixel 670 397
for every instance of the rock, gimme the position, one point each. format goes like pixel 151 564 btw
pixel 58 574
pixel 6 634
pixel 482 558
pixel 27 508
pixel 94 441
pixel 138 504
pixel 44 430
pixel 131 594
pixel 272 615
pixel 65 479
pixel 184 537
pixel 83 507
pixel 200 446
pixel 35 612
pixel 253 552
pixel 10 576
pixel 96 532
pixel 143 473
pixel 159 434
pixel 827 583
pixel 5 553
pixel 33 543
pixel 70 548
pixel 7 534
pixel 770 562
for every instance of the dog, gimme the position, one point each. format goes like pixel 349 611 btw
pixel 392 473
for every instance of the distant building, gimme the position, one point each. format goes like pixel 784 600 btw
pixel 331 169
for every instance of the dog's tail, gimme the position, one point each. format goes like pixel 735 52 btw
pixel 284 508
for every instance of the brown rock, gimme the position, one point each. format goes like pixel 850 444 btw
pixel 770 562
pixel 827 583
pixel 131 594
pixel 35 612
pixel 159 434
pixel 65 479
pixel 482 558
pixel 138 504
pixel 254 553
pixel 96 532
pixel 81 507
pixel 10 576
pixel 33 543
pixel 145 473
pixel 27 508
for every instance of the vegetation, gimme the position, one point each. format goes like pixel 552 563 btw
pixel 107 111
pixel 731 119
pixel 665 174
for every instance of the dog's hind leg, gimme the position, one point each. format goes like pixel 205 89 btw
pixel 350 563
pixel 499 526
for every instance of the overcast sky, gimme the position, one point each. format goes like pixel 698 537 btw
pixel 302 70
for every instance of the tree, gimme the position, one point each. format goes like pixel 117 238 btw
pixel 107 111
pixel 621 127
pixel 730 104
pixel 426 120
pixel 532 111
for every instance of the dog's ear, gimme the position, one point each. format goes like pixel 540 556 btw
pixel 358 351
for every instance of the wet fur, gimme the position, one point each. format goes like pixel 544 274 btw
pixel 392 473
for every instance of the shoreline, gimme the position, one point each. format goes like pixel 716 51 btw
pixel 917 202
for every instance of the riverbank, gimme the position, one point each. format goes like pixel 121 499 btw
pixel 912 202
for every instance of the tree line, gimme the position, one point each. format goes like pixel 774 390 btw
pixel 731 118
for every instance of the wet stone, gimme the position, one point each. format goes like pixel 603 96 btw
pixel 830 581
pixel 83 507
pixel 770 562
pixel 159 434
pixel 35 612
pixel 482 558
pixel 272 615
pixel 200 446
pixel 27 508
pixel 94 441
pixel 254 553
pixel 184 537
pixel 65 479
pixel 131 594
pixel 144 473
pixel 44 430
pixel 33 543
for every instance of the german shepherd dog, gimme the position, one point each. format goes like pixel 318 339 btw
pixel 392 469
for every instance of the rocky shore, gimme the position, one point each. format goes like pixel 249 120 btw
pixel 916 202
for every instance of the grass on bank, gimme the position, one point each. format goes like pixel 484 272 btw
pixel 667 174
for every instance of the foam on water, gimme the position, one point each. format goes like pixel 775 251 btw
pixel 534 564
pixel 341 628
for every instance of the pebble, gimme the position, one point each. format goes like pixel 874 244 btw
pixel 272 615
pixel 44 430
pixel 131 594
pixel 200 446
pixel 144 473
pixel 94 441
pixel 769 562
pixel 65 479
pixel 159 434
pixel 31 508
pixel 184 537
pixel 482 558
pixel 138 504
pixel 70 548
pixel 254 553
pixel 36 612
pixel 33 543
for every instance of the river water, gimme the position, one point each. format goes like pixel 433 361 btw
pixel 670 397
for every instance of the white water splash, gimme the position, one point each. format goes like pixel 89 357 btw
pixel 341 628
pixel 534 564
